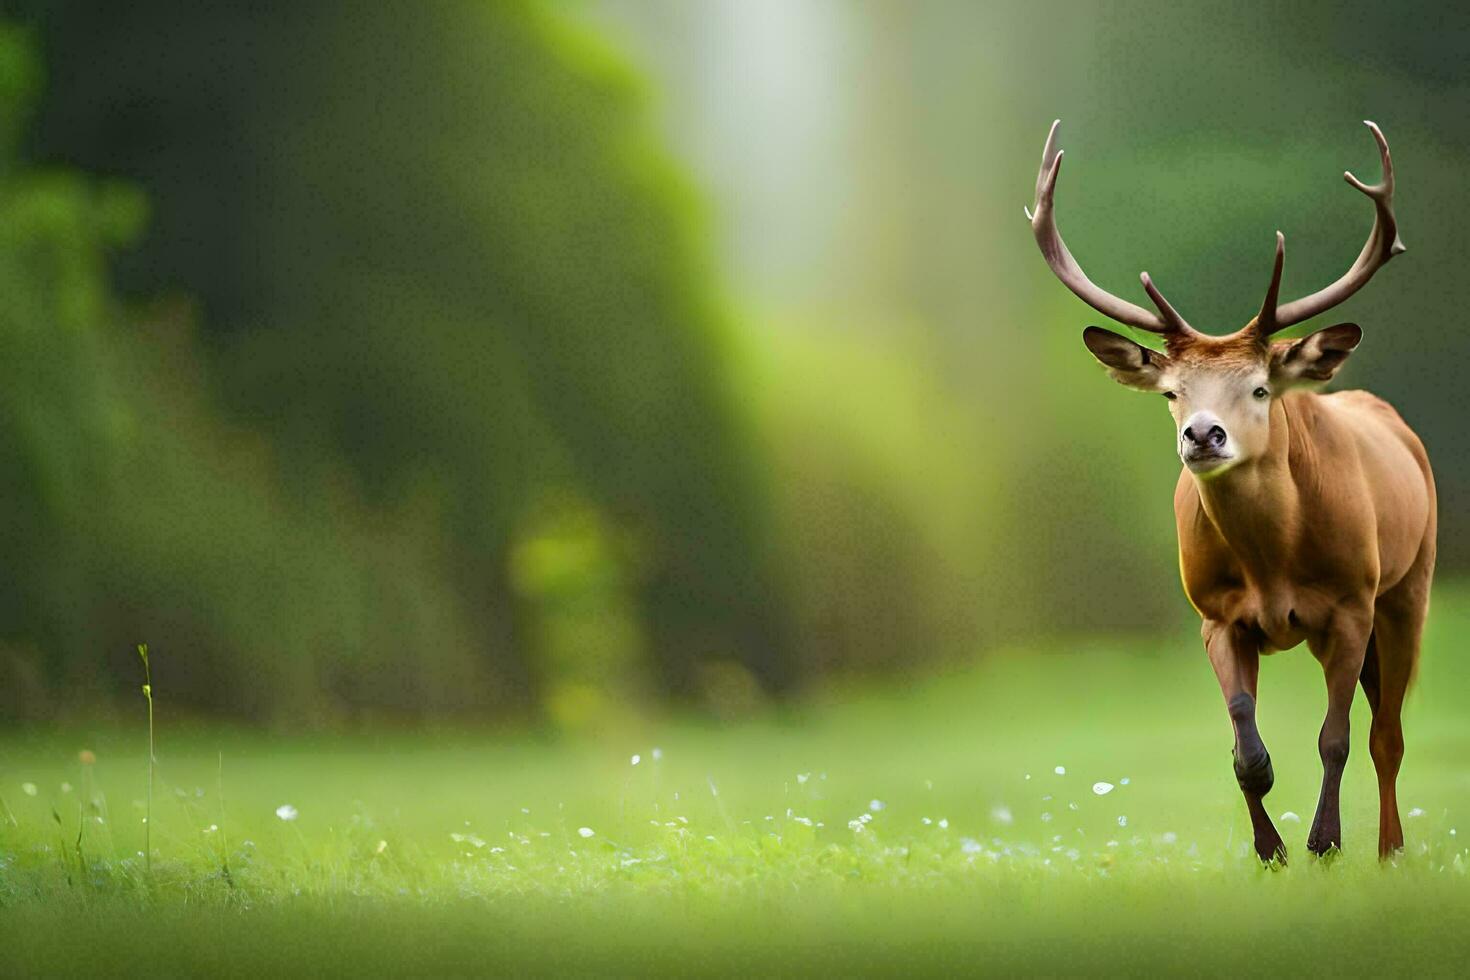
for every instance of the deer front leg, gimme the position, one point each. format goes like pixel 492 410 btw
pixel 1236 659
pixel 1340 651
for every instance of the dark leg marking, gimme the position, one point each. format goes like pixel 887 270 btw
pixel 1326 834
pixel 1252 761
pixel 1254 774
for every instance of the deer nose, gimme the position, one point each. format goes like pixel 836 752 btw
pixel 1203 431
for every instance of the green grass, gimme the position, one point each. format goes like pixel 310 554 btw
pixel 455 855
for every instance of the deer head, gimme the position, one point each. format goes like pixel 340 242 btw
pixel 1220 388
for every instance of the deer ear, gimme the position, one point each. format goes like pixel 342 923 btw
pixel 1128 363
pixel 1316 357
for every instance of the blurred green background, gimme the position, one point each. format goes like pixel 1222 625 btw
pixel 545 364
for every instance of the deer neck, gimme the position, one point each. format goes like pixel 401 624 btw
pixel 1255 505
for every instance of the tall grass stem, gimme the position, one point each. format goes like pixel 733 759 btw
pixel 148 815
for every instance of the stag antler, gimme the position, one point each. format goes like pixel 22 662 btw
pixel 1383 244
pixel 1044 225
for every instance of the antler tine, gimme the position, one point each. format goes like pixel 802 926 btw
pixel 1265 321
pixel 1059 258
pixel 1046 177
pixel 1171 316
pixel 1382 245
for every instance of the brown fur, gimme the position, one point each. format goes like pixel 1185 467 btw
pixel 1327 538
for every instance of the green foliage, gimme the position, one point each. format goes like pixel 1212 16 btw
pixel 884 523
pixel 444 280
pixel 131 506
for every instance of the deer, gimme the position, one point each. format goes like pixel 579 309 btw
pixel 1302 516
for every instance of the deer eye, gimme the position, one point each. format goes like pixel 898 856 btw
pixel 1261 393
pixel 1170 395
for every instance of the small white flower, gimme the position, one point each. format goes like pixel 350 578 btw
pixel 1028 776
pixel 866 817
pixel 1046 818
pixel 875 805
pixel 1416 812
pixel 1452 831
pixel 1001 814
pixel 970 845
pixel 1169 837
pixel 383 846
pixel 657 753
pixel 211 828
pixel 1290 817
pixel 1060 770
pixel 925 821
pixel 585 831
pixel 1122 821
pixel 286 811
pixel 636 759
pixel 29 789
pixel 1102 788
pixel 944 823
pixel 802 777
pixel 856 826
pixel 66 787
pixel 1125 780
pixel 803 820
pixel 1071 806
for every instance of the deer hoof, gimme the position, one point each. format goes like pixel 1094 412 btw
pixel 1272 851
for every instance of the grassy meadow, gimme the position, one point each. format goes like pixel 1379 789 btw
pixel 959 823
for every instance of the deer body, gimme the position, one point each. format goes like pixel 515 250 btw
pixel 1302 517
pixel 1337 512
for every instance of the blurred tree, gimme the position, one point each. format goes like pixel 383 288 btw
pixel 128 510
pixel 440 242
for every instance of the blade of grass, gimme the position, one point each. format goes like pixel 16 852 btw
pixel 148 814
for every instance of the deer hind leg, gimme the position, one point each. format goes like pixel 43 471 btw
pixel 1341 651
pixel 1236 659
pixel 1398 627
